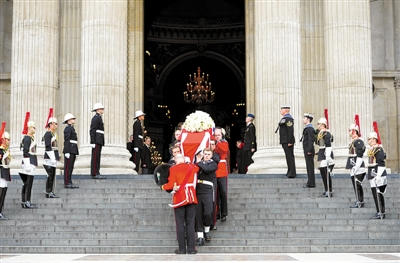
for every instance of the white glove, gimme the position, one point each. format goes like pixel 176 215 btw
pixel 136 149
pixel 93 146
pixel 67 155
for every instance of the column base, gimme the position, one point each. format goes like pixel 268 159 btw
pixel 114 160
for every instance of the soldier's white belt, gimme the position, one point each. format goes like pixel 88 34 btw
pixel 321 147
pixel 352 155
pixel 140 136
pixel 222 161
pixel 372 165
pixel 205 182
pixel 54 148
pixel 100 131
pixel 73 141
pixel 32 153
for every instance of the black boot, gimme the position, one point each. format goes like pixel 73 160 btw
pixel 50 178
pixel 3 192
pixel 28 191
pixel 382 202
pixel 23 191
pixel 324 171
pixel 373 190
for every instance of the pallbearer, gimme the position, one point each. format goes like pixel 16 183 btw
pixel 325 155
pixel 96 140
pixel 5 159
pixel 70 150
pixel 29 161
pixel 377 172
pixel 51 155
pixel 222 149
pixel 355 162
pixel 308 140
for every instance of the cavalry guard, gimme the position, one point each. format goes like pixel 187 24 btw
pixel 325 155
pixel 51 155
pixel 5 159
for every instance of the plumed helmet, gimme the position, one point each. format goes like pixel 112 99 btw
pixel 323 121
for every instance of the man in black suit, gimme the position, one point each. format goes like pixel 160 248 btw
pixel 147 164
pixel 70 149
pixel 138 138
pixel 96 140
pixel 308 140
pixel 286 139
pixel 250 144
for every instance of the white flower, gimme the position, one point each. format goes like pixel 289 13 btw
pixel 198 121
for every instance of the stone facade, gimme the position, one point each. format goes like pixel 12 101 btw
pixel 71 54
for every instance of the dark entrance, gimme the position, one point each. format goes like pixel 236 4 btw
pixel 180 36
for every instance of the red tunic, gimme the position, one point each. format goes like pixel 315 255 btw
pixel 222 148
pixel 177 174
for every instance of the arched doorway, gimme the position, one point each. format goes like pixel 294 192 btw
pixel 180 38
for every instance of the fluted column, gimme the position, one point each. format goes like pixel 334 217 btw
pixel 277 57
pixel 34 70
pixel 348 68
pixel 135 60
pixel 250 74
pixel 104 79
pixel 396 29
pixel 70 59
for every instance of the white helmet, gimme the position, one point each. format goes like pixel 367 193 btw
pixel 52 120
pixel 31 124
pixel 373 135
pixel 354 127
pixel 323 121
pixel 6 135
pixel 98 106
pixel 139 113
pixel 68 117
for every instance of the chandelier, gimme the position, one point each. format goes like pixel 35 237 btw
pixel 198 89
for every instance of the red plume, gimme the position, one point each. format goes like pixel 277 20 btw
pixel 3 128
pixel 48 117
pixel 375 124
pixel 357 121
pixel 27 116
pixel 326 117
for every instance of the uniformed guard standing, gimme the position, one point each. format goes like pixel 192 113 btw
pixel 377 172
pixel 308 140
pixel 250 144
pixel 5 159
pixel 205 192
pixel 51 155
pixel 96 140
pixel 222 149
pixel 325 156
pixel 183 177
pixel 356 164
pixel 29 162
pixel 138 138
pixel 70 150
pixel 287 140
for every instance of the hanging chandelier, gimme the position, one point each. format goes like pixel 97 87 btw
pixel 198 89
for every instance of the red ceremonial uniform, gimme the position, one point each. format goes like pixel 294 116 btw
pixel 177 174
pixel 222 148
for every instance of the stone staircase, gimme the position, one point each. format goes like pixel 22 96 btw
pixel 129 214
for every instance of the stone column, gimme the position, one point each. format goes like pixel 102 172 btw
pixel 396 14
pixel 70 58
pixel 135 60
pixel 104 79
pixel 277 57
pixel 34 72
pixel 348 69
pixel 250 74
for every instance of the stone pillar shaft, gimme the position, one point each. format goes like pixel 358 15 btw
pixel 104 78
pixel 348 66
pixel 250 74
pixel 277 68
pixel 34 73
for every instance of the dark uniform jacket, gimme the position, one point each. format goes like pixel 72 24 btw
pixel 356 149
pixel 376 157
pixel 324 140
pixel 146 158
pixel 250 138
pixel 50 145
pixel 138 135
pixel 97 130
pixel 308 139
pixel 286 130
pixel 70 135
pixel 207 173
pixel 4 162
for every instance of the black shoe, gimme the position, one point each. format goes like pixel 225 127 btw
pixel 213 228
pixel 223 219
pixel 179 252
pixel 192 251
pixel 51 195
pixel 308 186
pixel 71 186
pixel 2 217
pixel 207 237
pixel 378 216
pixel 200 241
pixel 218 217
pixel 98 177
pixel 29 205
pixel 357 205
